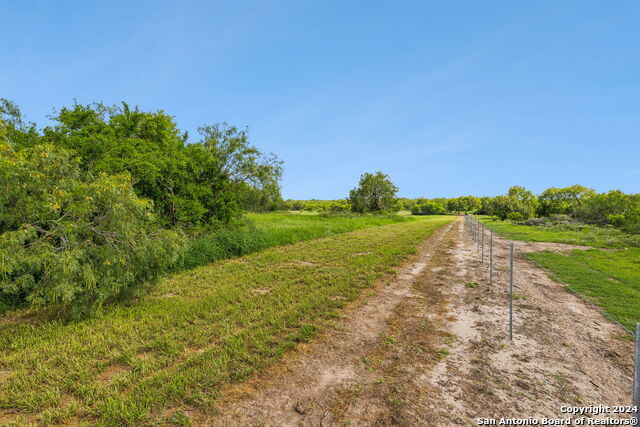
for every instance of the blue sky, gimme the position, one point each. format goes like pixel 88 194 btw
pixel 447 97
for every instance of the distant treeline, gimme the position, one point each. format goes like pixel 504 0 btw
pixel 576 203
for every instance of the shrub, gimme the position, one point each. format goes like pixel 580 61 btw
pixel 515 216
pixel 429 208
pixel 69 239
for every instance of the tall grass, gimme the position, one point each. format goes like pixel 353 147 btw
pixel 267 230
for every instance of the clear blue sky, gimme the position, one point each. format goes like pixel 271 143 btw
pixel 447 97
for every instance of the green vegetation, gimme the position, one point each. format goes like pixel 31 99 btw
pixel 564 232
pixel 198 330
pixel 275 229
pixel 375 193
pixel 429 207
pixel 314 205
pixel 105 199
pixel 70 239
pixel 609 279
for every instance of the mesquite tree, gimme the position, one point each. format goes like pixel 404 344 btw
pixel 375 193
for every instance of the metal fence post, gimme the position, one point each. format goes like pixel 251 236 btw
pixel 490 255
pixel 511 292
pixel 473 228
pixel 482 247
pixel 636 376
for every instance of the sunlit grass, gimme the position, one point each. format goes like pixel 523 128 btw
pixel 574 234
pixel 266 230
pixel 197 330
pixel 609 279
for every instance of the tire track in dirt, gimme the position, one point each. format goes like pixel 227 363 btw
pixel 564 352
pixel 309 385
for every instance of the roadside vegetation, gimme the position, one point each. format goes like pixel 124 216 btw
pixel 563 231
pixel 174 350
pixel 264 230
pixel 107 199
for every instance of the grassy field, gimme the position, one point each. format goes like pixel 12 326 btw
pixel 267 230
pixel 174 349
pixel 610 279
pixel 587 235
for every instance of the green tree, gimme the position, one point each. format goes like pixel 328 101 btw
pixel 185 181
pixel 375 193
pixel 72 239
pixel 554 201
pixel 255 175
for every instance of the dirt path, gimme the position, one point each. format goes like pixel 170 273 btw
pixel 428 348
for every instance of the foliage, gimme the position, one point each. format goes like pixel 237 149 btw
pixel 429 207
pixel 554 201
pixel 375 193
pixel 255 175
pixel 184 181
pixel 612 207
pixel 313 205
pixel 70 239
pixel 463 204
pixel 515 216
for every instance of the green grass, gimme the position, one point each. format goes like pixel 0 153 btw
pixel 609 279
pixel 175 348
pixel 267 230
pixel 575 234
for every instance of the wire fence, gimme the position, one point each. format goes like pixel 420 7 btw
pixel 477 231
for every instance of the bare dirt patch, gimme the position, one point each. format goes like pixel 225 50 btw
pixel 558 356
pixel 111 372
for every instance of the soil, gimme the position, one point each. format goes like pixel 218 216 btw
pixel 431 347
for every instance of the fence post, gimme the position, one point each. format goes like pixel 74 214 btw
pixel 511 292
pixel 482 247
pixel 473 228
pixel 490 255
pixel 636 376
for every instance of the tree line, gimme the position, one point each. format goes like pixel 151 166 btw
pixel 575 202
pixel 376 193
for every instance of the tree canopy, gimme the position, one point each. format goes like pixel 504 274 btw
pixel 375 193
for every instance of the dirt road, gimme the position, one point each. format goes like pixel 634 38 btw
pixel 430 347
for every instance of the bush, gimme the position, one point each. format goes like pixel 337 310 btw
pixel 429 208
pixel 72 240
pixel 515 216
